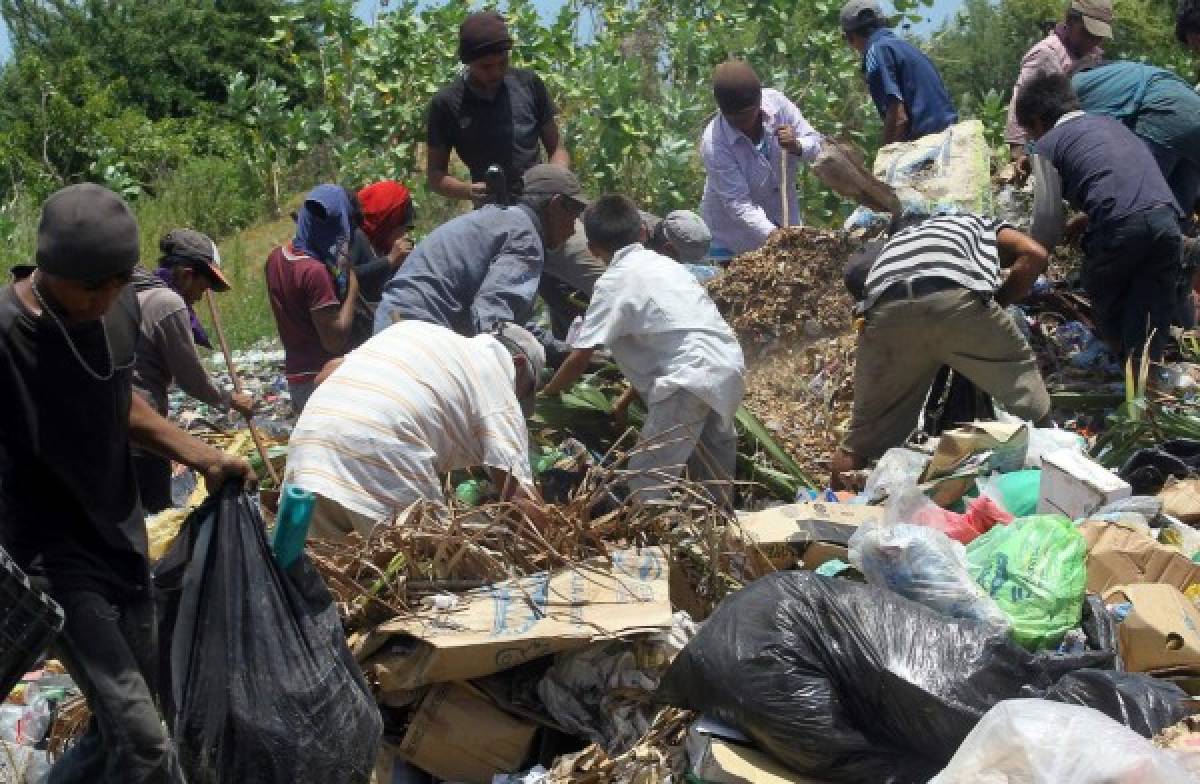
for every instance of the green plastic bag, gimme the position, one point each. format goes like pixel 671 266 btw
pixel 1034 569
pixel 1017 491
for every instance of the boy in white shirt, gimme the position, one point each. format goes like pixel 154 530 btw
pixel 678 353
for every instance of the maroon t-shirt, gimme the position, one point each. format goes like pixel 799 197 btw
pixel 298 284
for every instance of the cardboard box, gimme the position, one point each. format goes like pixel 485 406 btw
pixel 1122 554
pixel 781 538
pixel 1181 499
pixel 513 622
pixel 1075 486
pixel 1161 632
pixel 721 755
pixel 1005 443
pixel 457 734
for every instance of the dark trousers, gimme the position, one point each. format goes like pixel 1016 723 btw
pixel 111 651
pixel 1182 176
pixel 1132 273
pixel 154 481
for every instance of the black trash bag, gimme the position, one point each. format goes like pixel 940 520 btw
pixel 846 681
pixel 1145 704
pixel 1147 470
pixel 1100 652
pixel 262 688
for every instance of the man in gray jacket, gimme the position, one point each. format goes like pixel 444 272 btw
pixel 189 266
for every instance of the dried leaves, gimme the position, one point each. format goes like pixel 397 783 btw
pixel 803 395
pixel 791 287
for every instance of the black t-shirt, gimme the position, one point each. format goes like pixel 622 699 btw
pixel 504 130
pixel 69 508
pixel 373 271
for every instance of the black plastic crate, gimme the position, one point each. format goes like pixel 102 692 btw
pixel 29 622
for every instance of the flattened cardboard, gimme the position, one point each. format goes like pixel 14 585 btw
pixel 720 755
pixel 1161 631
pixel 1121 554
pixel 457 734
pixel 513 622
pixel 1007 444
pixel 1075 486
pixel 784 535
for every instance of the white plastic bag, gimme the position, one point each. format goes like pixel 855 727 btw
pixel 1044 742
pixel 22 764
pixel 897 470
pixel 925 565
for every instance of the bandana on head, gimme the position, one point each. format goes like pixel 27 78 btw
pixel 385 206
pixel 323 223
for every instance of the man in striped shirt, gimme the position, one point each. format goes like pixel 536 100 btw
pixel 934 295
pixel 408 406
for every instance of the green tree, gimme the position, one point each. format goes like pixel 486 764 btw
pixel 171 56
pixel 979 51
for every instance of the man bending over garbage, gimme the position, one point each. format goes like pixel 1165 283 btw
pixel 69 510
pixel 1132 243
pixel 411 404
pixel 679 355
pixel 482 268
pixel 933 296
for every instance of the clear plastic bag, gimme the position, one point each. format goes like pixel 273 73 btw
pixel 896 471
pixel 925 565
pixel 1043 742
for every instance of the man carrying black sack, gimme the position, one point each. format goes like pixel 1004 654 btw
pixel 69 510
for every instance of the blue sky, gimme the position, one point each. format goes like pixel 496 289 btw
pixel 934 16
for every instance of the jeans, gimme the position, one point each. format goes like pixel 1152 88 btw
pixel 111 651
pixel 1132 272
pixel 682 430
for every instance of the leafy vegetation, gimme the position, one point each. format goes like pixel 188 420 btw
pixel 214 114
pixel 979 51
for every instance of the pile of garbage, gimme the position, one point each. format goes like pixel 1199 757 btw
pixel 789 289
pixel 803 394
pixel 260 370
pixel 35 717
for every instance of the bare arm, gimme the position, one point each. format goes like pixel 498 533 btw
pixel 576 363
pixel 437 175
pixel 1026 260
pixel 895 123
pixel 552 141
pixel 156 434
pixel 334 323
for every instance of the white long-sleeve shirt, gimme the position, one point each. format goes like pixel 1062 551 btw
pixel 741 191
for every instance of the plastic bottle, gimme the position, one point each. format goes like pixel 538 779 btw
pixel 291 524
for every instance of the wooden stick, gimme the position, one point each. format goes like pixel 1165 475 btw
pixel 237 385
pixel 783 187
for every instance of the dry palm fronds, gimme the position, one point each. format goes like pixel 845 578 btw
pixel 658 758
pixel 791 287
pixel 433 549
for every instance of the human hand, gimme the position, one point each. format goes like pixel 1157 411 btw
pixel 787 137
pixel 399 252
pixel 1075 228
pixel 243 403
pixel 220 467
pixel 478 191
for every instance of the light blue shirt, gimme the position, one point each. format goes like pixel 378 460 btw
pixel 741 202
